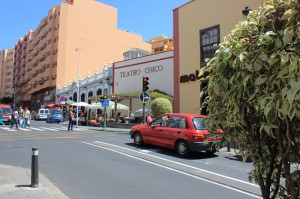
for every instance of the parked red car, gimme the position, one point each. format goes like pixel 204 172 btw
pixel 179 131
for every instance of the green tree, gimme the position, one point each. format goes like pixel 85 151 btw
pixel 254 94
pixel 160 106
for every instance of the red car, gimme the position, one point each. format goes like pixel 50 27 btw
pixel 182 132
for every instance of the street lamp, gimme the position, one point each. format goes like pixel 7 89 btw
pixel 246 12
pixel 79 51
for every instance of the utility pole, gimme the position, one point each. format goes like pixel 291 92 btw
pixel 78 97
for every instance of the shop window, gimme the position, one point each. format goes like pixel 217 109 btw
pixel 99 91
pixel 209 39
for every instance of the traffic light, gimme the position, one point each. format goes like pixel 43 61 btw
pixel 145 84
pixel 104 97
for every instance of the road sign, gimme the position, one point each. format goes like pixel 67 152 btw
pixel 105 103
pixel 144 97
pixel 62 98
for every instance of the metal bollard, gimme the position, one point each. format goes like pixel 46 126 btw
pixel 34 168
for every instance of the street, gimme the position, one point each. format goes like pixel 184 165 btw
pixel 98 164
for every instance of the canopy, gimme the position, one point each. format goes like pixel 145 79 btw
pixel 69 102
pixel 56 105
pixel 111 106
pixel 80 104
pixel 140 111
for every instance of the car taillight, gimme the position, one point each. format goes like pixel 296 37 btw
pixel 200 137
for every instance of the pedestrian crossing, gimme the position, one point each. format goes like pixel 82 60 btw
pixel 42 129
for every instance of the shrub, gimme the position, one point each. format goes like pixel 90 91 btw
pixel 160 106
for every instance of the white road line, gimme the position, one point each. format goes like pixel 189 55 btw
pixel 37 129
pixel 223 176
pixel 22 129
pixel 178 171
pixel 49 129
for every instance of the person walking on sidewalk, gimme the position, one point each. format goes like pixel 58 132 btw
pixel 27 117
pixel 1 122
pixel 14 117
pixel 71 117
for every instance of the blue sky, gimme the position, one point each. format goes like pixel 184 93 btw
pixel 146 18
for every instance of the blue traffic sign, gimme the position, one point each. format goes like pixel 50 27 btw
pixel 105 103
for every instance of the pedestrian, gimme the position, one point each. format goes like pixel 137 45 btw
pixel 132 117
pixel 14 117
pixel 1 122
pixel 21 117
pixel 27 117
pixel 71 117
pixel 149 119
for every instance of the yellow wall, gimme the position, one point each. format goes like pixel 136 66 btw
pixel 193 17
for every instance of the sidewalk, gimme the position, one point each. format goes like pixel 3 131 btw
pixel 97 128
pixel 15 183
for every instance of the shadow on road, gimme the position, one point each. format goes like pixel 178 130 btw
pixel 172 153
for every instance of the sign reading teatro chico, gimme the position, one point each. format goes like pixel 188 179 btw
pixel 147 70
pixel 190 77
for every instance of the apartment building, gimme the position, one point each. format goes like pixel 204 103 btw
pixel 74 38
pixel 199 25
pixel 160 44
pixel 6 64
pixel 21 70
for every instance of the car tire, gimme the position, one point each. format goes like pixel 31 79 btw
pixel 138 139
pixel 182 148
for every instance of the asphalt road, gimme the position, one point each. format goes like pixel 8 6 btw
pixel 106 165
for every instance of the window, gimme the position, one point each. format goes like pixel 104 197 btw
pixel 208 39
pixel 178 122
pixel 199 123
pixel 99 91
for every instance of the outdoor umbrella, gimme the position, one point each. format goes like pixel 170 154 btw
pixel 140 111
pixel 69 102
pixel 51 106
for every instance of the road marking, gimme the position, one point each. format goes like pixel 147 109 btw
pixel 22 129
pixel 176 170
pixel 37 129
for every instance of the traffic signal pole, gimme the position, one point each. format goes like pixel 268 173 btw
pixel 145 89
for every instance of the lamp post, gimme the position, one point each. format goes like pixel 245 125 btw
pixel 246 12
pixel 78 97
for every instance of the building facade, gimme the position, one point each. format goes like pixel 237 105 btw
pixel 6 66
pixel 74 38
pixel 199 25
pixel 128 74
pixel 160 44
pixel 21 70
pixel 92 85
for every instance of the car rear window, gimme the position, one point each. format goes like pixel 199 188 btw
pixel 199 123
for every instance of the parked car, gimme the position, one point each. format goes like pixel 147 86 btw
pixel 55 116
pixel 182 132
pixel 6 113
pixel 42 114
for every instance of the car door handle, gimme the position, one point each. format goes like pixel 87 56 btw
pixel 178 132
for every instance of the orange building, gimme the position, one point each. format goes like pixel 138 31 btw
pixel 75 34
pixel 160 44
pixel 6 64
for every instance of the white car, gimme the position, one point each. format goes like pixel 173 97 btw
pixel 42 114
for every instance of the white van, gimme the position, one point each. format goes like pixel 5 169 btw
pixel 42 114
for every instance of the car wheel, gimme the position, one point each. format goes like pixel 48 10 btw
pixel 138 139
pixel 182 148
